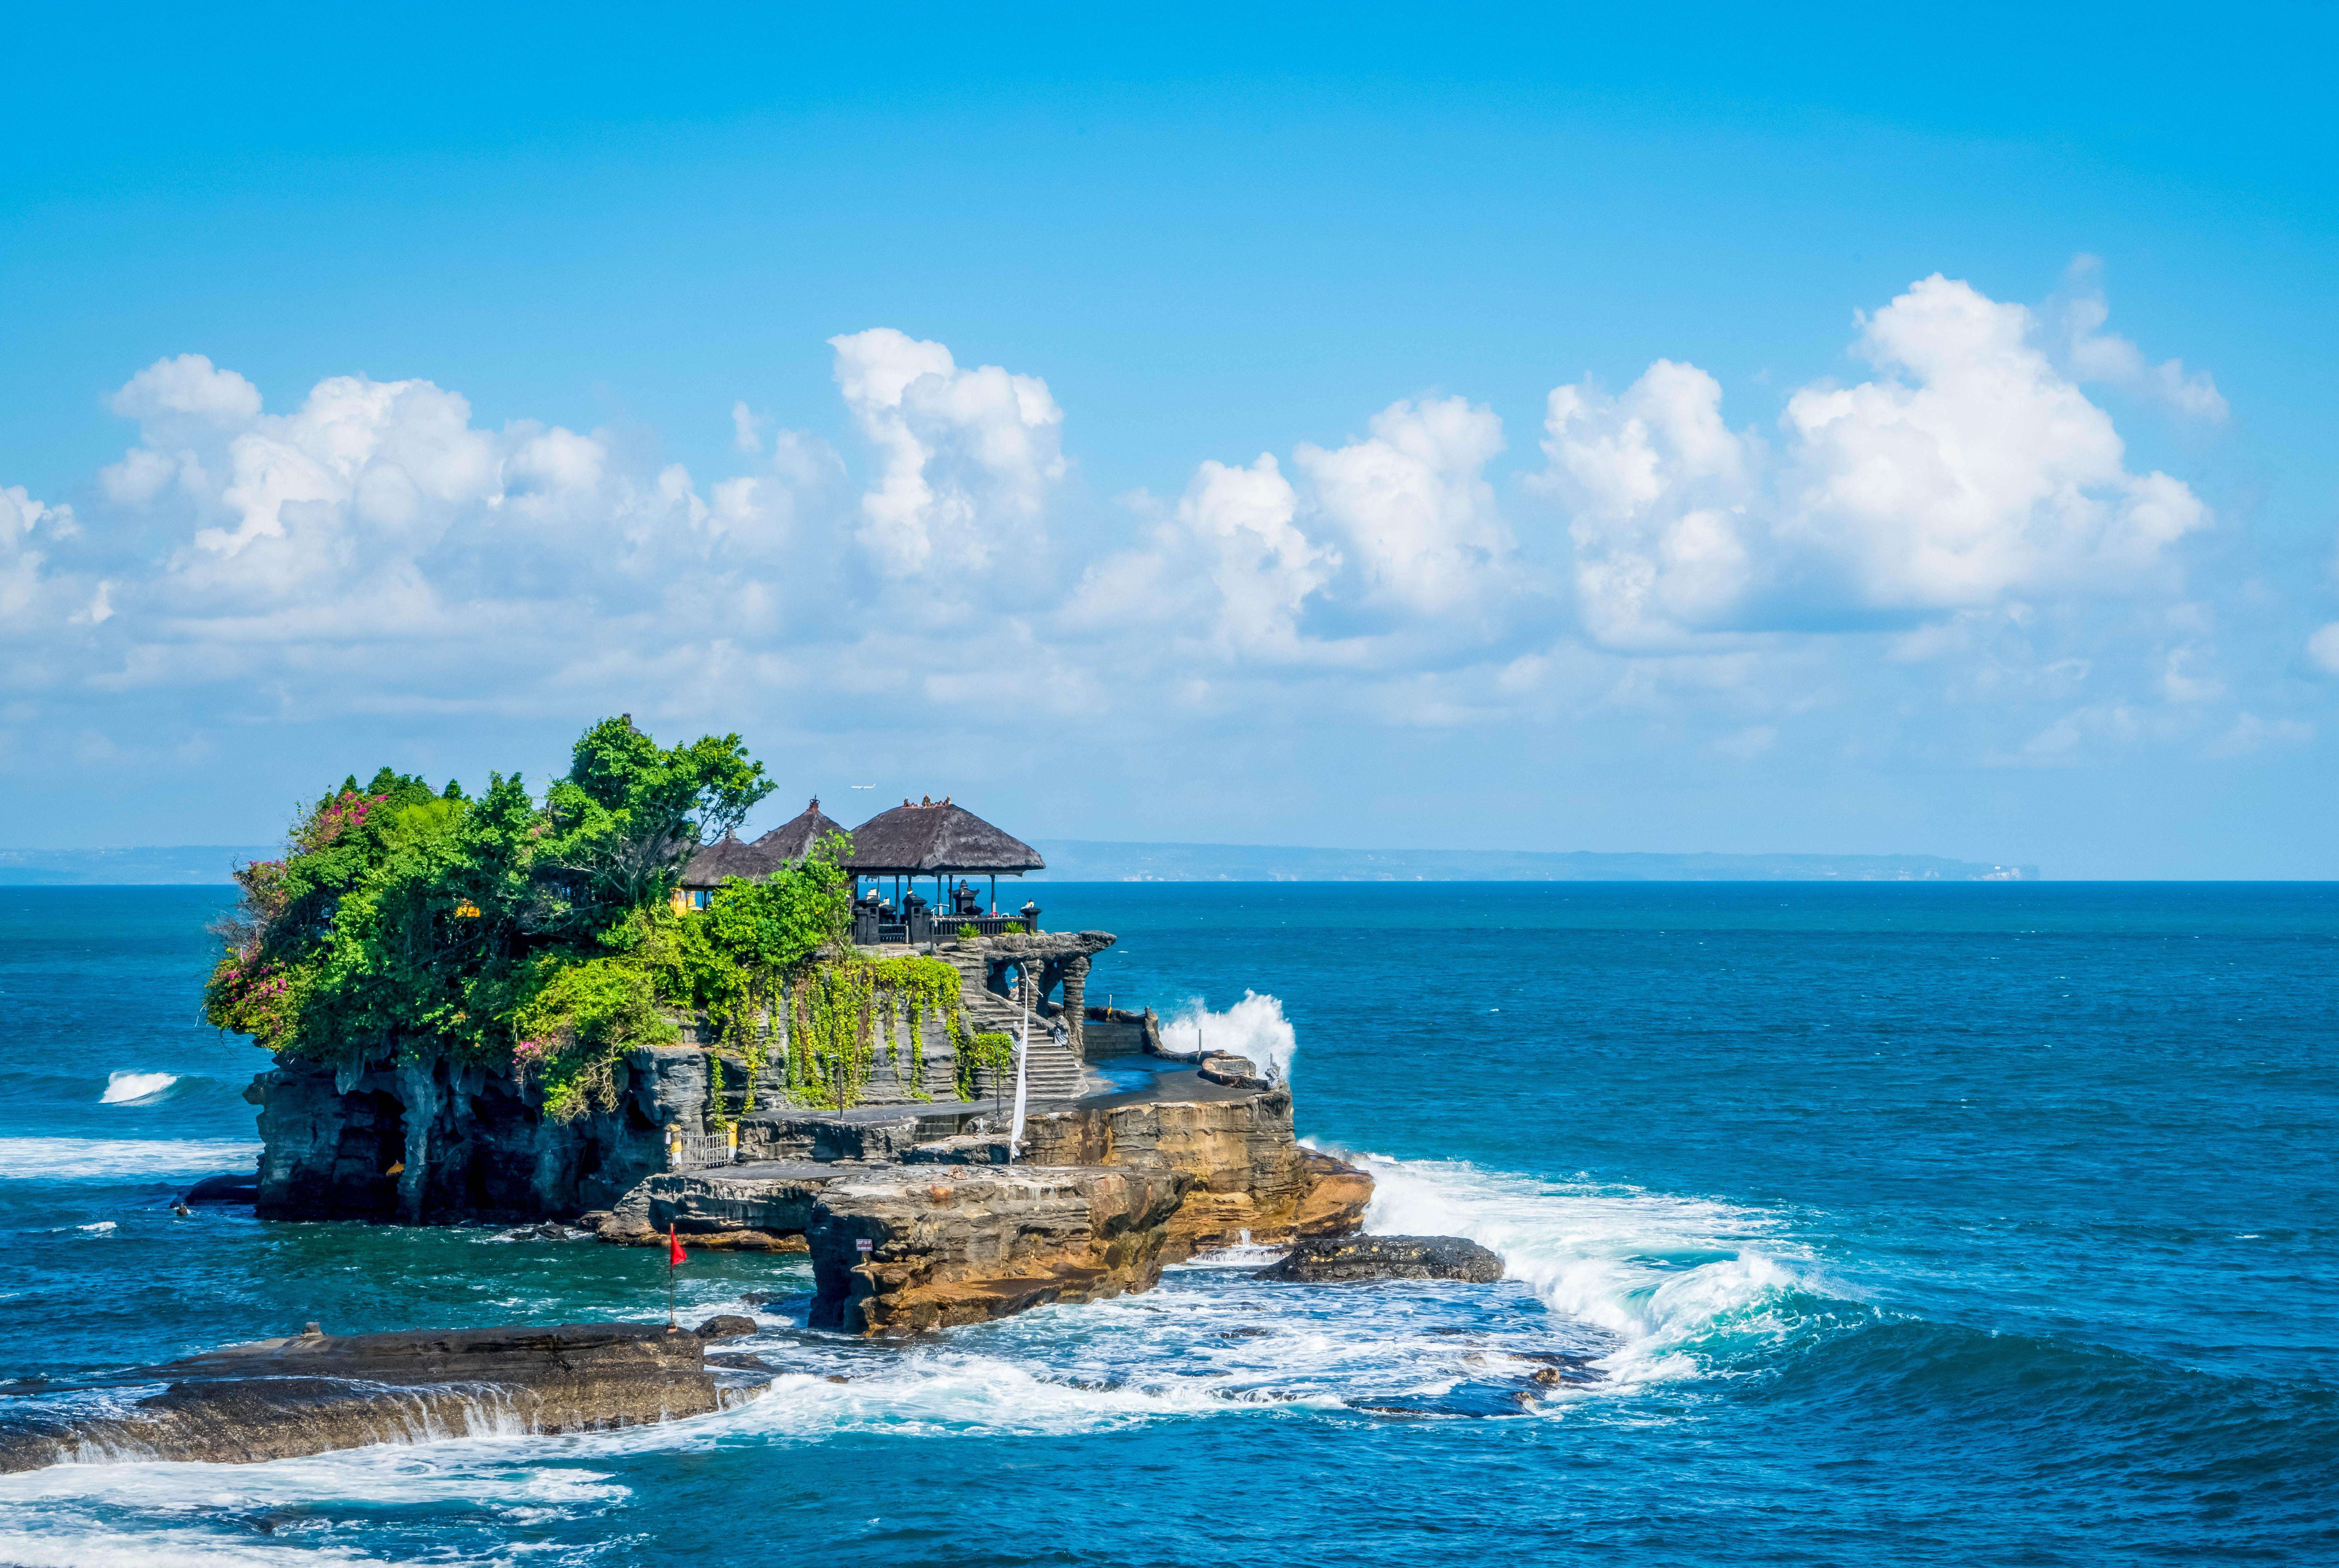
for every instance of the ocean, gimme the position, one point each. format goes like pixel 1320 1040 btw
pixel 1912 1224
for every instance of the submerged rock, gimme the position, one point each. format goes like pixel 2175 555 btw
pixel 727 1325
pixel 281 1398
pixel 1325 1260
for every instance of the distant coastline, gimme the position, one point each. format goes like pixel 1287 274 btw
pixel 1094 860
pixel 1083 860
pixel 165 865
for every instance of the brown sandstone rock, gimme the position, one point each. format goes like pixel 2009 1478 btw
pixel 1248 1172
pixel 964 1243
pixel 761 1207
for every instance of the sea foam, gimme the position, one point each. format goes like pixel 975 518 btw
pixel 128 1088
pixel 1672 1277
pixel 88 1158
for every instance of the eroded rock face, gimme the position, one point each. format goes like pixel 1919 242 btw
pixel 1329 1260
pixel 283 1398
pixel 954 1244
pixel 438 1142
pixel 1251 1178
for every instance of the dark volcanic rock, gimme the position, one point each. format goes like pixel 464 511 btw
pixel 1325 1260
pixel 964 1149
pixel 725 1325
pixel 758 1207
pixel 230 1189
pixel 281 1398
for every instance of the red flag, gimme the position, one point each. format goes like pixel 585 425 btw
pixel 674 1255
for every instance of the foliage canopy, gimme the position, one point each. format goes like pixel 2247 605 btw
pixel 405 920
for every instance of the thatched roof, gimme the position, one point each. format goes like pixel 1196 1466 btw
pixel 794 839
pixel 936 837
pixel 728 857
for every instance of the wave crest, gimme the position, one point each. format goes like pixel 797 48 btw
pixel 1678 1279
pixel 128 1088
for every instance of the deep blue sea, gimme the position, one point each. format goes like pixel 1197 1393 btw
pixel 1913 1224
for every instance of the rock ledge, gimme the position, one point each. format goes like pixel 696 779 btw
pixel 1329 1260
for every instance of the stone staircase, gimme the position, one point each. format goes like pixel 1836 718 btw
pixel 1054 1071
pixel 1051 1071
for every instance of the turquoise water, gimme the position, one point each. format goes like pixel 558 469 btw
pixel 1914 1224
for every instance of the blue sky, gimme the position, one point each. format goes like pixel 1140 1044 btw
pixel 1354 426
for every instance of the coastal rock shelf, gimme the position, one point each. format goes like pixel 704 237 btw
pixel 309 1394
pixel 1233 1171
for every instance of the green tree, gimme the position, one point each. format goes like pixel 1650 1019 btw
pixel 405 919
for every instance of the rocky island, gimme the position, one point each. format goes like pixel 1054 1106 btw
pixel 603 1009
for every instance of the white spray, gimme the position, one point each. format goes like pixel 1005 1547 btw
pixel 1253 1028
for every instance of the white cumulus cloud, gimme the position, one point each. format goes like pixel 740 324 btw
pixel 1966 472
pixel 1947 556
pixel 1412 503
pixel 968 458
pixel 2095 355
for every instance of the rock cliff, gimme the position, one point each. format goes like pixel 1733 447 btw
pixel 436 1142
pixel 1250 1180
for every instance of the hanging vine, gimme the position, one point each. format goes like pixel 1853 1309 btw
pixel 838 1014
pixel 991 1052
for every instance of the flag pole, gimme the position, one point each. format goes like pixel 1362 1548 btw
pixel 673 1251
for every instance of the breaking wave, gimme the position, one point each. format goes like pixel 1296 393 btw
pixel 1683 1283
pixel 85 1158
pixel 128 1088
pixel 1254 1027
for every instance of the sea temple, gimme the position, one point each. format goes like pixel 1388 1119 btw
pixel 928 1104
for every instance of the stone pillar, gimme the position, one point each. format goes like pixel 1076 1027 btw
pixel 1076 984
